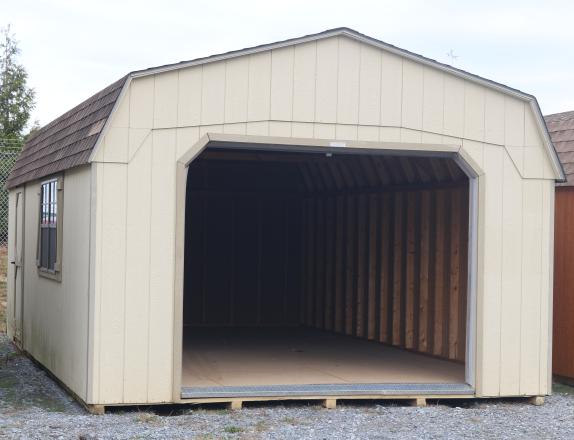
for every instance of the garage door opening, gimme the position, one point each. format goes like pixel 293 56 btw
pixel 307 272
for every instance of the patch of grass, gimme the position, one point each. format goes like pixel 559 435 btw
pixel 232 429
pixel 261 426
pixel 146 417
pixel 290 420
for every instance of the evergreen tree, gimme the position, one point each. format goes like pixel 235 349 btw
pixel 16 98
pixel 16 103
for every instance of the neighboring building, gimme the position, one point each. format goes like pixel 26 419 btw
pixel 561 128
pixel 327 217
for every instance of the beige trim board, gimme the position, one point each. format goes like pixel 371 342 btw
pixel 323 145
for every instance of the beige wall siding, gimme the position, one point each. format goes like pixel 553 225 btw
pixel 56 314
pixel 334 88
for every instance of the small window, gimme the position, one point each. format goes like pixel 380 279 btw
pixel 49 238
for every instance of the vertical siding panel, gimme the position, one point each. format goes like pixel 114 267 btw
pixel 310 273
pixel 453 106
pixel 391 89
pixel 397 268
pixel 326 86
pixel 511 279
pixel 165 100
pixel 439 274
pixel 304 82
pixel 513 122
pixel 320 256
pixel 494 117
pixel 258 107
pixel 213 94
pixel 385 271
pixel 137 264
pixel 304 263
pixel 329 261
pixel 474 97
pixel 412 110
pixel 372 277
pixel 492 242
pixel 424 272
pixel 370 86
pixel 282 84
pixel 189 96
pixel 433 101
pixel 339 264
pixel 531 282
pixel 410 222
pixel 97 272
pixel 186 137
pixel 141 97
pixel 161 238
pixel 350 263
pixel 360 291
pixel 348 81
pixel 236 89
pixel 112 293
pixel 531 132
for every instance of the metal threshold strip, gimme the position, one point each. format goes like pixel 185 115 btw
pixel 387 389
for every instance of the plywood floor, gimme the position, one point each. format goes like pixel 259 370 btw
pixel 283 356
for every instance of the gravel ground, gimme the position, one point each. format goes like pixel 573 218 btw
pixel 34 407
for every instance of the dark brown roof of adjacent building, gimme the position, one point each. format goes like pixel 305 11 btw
pixel 561 129
pixel 67 141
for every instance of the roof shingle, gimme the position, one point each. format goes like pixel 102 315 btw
pixel 67 141
pixel 561 129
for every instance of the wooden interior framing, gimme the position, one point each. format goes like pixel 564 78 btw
pixel 369 246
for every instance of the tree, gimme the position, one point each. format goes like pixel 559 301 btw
pixel 16 103
pixel 16 98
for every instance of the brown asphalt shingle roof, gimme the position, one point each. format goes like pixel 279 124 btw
pixel 67 141
pixel 561 129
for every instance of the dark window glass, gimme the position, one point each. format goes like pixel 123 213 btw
pixel 48 225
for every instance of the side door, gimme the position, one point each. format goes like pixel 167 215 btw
pixel 18 263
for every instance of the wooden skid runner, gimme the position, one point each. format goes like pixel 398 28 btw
pixel 328 403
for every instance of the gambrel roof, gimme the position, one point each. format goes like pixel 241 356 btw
pixel 69 140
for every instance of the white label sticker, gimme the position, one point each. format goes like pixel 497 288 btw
pixel 337 144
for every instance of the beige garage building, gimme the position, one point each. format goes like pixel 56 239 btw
pixel 325 217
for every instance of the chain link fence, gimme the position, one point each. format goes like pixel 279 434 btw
pixel 8 155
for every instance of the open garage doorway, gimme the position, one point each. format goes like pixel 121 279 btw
pixel 328 270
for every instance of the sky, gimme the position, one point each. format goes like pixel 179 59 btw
pixel 73 48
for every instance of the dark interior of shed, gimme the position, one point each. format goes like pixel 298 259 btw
pixel 319 268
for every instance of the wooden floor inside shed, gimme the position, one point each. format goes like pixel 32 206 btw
pixel 220 356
